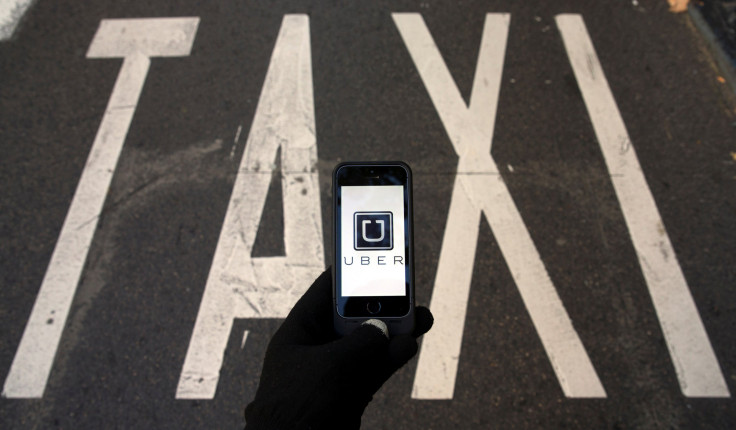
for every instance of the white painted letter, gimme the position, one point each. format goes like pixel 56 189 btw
pixel 479 189
pixel 240 286
pixel 11 12
pixel 136 40
pixel 692 354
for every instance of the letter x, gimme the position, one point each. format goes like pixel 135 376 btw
pixel 479 189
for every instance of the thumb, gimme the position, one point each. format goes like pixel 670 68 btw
pixel 401 349
pixel 365 344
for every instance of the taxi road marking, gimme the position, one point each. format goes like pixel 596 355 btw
pixel 479 189
pixel 692 354
pixel 135 40
pixel 238 285
pixel 11 12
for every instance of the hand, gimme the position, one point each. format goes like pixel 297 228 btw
pixel 313 379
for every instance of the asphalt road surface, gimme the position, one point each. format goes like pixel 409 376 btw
pixel 165 198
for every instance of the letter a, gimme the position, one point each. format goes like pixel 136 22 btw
pixel 240 286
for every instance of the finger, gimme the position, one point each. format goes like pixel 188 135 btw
pixel 403 347
pixel 364 346
pixel 423 321
pixel 310 320
pixel 400 350
pixel 362 359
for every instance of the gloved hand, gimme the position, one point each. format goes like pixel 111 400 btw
pixel 313 379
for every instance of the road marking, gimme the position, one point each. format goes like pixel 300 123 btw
pixel 245 337
pixel 235 141
pixel 479 188
pixel 692 354
pixel 136 41
pixel 11 12
pixel 240 286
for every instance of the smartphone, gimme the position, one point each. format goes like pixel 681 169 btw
pixel 373 245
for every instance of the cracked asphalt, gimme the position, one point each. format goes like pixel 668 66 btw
pixel 130 323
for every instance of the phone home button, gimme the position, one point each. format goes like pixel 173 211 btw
pixel 374 306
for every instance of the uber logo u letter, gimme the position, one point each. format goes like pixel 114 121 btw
pixel 373 231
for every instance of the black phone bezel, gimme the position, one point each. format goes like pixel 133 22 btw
pixel 374 174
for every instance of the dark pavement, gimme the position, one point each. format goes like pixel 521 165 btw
pixel 129 327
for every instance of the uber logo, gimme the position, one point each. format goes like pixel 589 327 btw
pixel 373 231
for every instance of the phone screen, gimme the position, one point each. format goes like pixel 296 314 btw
pixel 372 240
pixel 373 250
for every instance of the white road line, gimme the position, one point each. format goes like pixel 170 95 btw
pixel 136 41
pixel 480 188
pixel 693 357
pixel 240 286
pixel 235 141
pixel 11 12
pixel 245 337
pixel 237 135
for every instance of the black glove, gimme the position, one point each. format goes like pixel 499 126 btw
pixel 313 379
